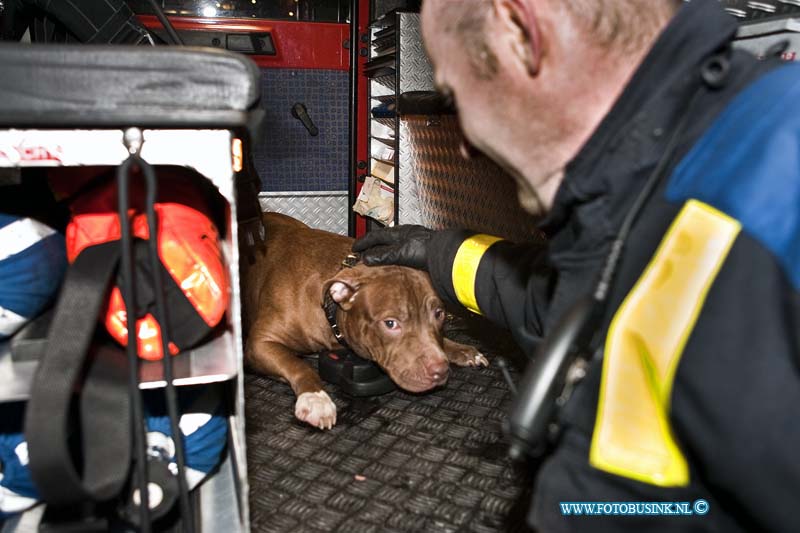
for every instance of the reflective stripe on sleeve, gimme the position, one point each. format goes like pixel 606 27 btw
pixel 632 436
pixel 465 268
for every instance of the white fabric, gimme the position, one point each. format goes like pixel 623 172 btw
pixel 22 453
pixel 191 422
pixel 11 502
pixel 193 477
pixel 10 322
pixel 20 235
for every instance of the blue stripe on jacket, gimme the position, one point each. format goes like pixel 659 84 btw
pixel 747 165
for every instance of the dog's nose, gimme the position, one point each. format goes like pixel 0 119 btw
pixel 437 369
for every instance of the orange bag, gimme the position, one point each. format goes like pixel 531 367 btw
pixel 197 284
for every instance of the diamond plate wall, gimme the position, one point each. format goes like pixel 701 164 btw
pixel 288 158
pixel 380 8
pixel 321 210
pixel 749 11
pixel 776 33
pixel 440 189
pixel 415 72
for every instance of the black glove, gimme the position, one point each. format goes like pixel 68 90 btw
pixel 402 245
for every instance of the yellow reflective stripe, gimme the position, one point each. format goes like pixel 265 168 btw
pixel 632 434
pixel 465 268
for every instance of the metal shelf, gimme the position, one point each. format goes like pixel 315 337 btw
pixel 386 42
pixel 208 152
pixel 387 31
pixel 389 122
pixel 385 97
pixel 385 21
pixel 750 11
pixel 391 143
pixel 219 500
pixel 385 162
pixel 217 497
pixel 212 362
pixel 378 63
pixel 386 77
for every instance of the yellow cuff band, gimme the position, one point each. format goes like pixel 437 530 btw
pixel 465 268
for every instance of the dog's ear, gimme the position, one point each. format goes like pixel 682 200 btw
pixel 342 289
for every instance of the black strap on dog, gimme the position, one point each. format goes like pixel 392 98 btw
pixel 331 307
pixel 252 233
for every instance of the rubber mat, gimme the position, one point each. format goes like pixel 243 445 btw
pixel 432 462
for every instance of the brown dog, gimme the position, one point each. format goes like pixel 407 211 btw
pixel 388 314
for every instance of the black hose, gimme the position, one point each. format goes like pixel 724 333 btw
pixel 353 124
pixel 163 321
pixel 610 267
pixel 129 299
pixel 162 18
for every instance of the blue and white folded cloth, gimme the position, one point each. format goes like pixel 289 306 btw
pixel 32 264
pixel 203 425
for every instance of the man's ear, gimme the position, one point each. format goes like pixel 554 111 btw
pixel 342 290
pixel 517 20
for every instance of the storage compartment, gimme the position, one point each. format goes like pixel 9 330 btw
pixel 68 127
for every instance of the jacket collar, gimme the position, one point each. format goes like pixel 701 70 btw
pixel 633 133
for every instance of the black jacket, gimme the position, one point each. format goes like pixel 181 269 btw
pixel 732 398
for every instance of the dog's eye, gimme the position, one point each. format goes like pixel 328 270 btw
pixel 438 314
pixel 390 324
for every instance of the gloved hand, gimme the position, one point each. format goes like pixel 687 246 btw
pixel 402 245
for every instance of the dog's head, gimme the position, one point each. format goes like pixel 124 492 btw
pixel 392 315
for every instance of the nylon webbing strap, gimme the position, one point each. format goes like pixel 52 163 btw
pixel 105 410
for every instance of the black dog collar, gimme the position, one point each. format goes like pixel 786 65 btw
pixel 330 307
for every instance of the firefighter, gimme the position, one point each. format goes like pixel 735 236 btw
pixel 692 392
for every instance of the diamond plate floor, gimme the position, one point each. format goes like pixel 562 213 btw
pixel 400 462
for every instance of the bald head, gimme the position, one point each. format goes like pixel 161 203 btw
pixel 533 78
pixel 614 25
pixel 465 20
pixel 624 25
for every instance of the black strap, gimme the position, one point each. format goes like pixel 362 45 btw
pixel 105 408
pixel 252 233
pixel 331 307
pixel 186 326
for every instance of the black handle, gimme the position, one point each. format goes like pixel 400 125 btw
pixel 251 43
pixel 534 408
pixel 300 112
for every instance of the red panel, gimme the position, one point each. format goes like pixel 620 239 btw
pixel 363 107
pixel 312 45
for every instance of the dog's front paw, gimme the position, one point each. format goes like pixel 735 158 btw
pixel 316 408
pixel 463 355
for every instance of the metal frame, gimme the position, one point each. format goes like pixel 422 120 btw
pixel 209 153
pixel 353 123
